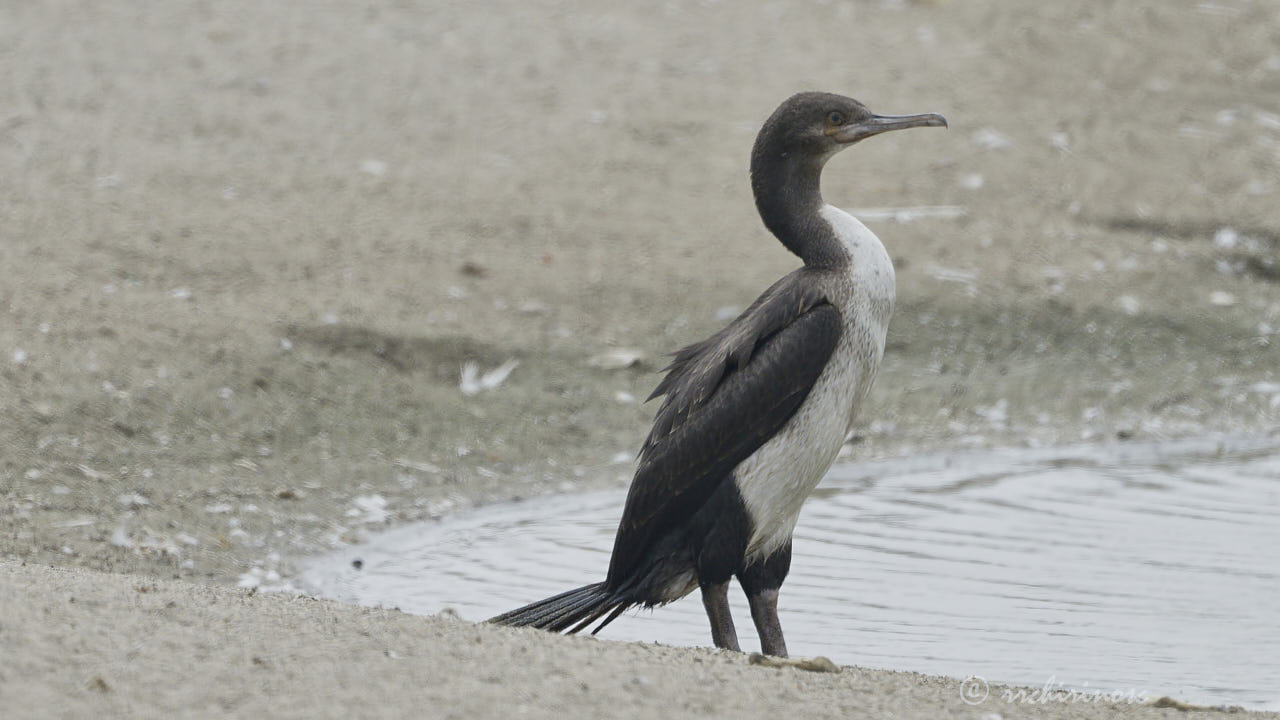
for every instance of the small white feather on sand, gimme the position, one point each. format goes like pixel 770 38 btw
pixel 617 359
pixel 473 382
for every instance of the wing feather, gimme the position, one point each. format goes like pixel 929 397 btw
pixel 725 397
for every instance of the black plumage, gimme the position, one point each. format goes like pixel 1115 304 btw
pixel 724 397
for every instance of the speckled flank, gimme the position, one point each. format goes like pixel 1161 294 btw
pixel 776 480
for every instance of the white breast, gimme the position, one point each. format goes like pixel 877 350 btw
pixel 777 478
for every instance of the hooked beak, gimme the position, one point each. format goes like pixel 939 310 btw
pixel 877 124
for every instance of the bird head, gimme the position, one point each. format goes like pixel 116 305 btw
pixel 818 125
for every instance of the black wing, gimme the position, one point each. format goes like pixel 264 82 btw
pixel 725 397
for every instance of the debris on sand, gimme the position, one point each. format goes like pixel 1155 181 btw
pixel 1221 298
pixel 369 509
pixel 120 538
pixel 1129 305
pixel 133 501
pixel 907 214
pixel 473 382
pixel 419 465
pixel 260 579
pixel 813 664
pixel 991 139
pixel 617 359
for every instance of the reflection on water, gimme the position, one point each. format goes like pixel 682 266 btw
pixel 1149 568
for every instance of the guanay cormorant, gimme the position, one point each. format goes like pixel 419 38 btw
pixel 753 416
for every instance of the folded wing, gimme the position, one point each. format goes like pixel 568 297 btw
pixel 725 397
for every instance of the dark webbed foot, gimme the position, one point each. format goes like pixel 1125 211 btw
pixel 715 598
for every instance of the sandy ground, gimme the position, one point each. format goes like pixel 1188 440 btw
pixel 130 646
pixel 247 249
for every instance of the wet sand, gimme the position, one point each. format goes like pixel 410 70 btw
pixel 248 250
pixel 94 645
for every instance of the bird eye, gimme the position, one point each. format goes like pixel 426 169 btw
pixel 836 118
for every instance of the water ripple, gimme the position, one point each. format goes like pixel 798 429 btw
pixel 1149 567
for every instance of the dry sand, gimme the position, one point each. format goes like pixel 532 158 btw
pixel 247 247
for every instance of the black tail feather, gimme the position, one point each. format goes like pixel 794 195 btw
pixel 566 615
pixel 588 619
pixel 612 616
pixel 544 613
pixel 572 609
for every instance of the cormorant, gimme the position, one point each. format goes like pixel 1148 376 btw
pixel 753 416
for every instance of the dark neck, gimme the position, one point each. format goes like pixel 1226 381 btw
pixel 789 199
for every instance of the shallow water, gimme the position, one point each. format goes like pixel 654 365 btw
pixel 1139 568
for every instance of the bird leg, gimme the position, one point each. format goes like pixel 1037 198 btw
pixel 715 598
pixel 761 581
pixel 764 611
